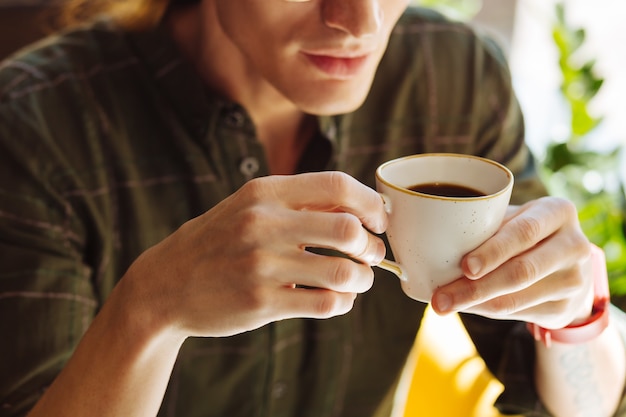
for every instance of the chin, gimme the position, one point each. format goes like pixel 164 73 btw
pixel 331 103
pixel 331 110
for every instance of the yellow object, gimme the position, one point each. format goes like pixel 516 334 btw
pixel 445 377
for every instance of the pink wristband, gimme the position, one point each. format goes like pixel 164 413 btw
pixel 597 321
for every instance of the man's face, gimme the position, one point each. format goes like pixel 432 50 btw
pixel 319 54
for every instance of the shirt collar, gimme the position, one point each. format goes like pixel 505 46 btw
pixel 183 87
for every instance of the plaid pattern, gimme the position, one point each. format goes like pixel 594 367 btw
pixel 109 142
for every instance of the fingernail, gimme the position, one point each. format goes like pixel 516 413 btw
pixel 442 302
pixel 474 265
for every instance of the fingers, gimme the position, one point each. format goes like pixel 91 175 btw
pixel 330 192
pixel 548 302
pixel 329 272
pixel 278 236
pixel 307 285
pixel 516 274
pixel 314 303
pixel 261 259
pixel 340 231
pixel 271 221
pixel 532 224
pixel 552 302
pixel 531 268
pixel 291 263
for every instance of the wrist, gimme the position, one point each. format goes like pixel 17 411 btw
pixel 586 328
pixel 139 315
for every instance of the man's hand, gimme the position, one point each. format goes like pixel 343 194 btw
pixel 243 263
pixel 532 269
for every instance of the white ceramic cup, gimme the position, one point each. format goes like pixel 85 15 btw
pixel 429 234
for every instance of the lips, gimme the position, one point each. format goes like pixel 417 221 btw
pixel 339 67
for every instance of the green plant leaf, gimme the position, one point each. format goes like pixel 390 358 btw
pixel 566 166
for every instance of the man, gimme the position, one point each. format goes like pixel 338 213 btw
pixel 179 193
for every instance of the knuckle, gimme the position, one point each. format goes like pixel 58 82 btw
pixel 503 305
pixel 327 305
pixel 347 227
pixel 252 216
pixel 500 248
pixel 474 291
pixel 254 224
pixel 572 282
pixel 580 242
pixel 529 229
pixel 524 272
pixel 585 246
pixel 339 183
pixel 255 299
pixel 342 274
pixel 566 207
pixel 255 188
pixel 249 219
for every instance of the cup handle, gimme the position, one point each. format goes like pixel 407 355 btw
pixel 386 202
pixel 394 268
pixel 386 264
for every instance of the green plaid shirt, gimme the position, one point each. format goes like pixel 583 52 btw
pixel 109 142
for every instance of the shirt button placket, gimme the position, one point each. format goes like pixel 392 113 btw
pixel 235 119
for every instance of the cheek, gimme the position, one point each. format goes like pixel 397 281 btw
pixel 392 10
pixel 248 24
pixel 399 6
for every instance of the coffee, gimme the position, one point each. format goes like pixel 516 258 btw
pixel 445 189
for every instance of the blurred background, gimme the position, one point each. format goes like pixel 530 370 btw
pixel 567 61
pixel 20 23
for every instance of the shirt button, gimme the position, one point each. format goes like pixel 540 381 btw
pixel 249 166
pixel 279 390
pixel 235 119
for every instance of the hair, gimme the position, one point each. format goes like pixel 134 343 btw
pixel 130 14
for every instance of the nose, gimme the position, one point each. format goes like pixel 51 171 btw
pixel 359 18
